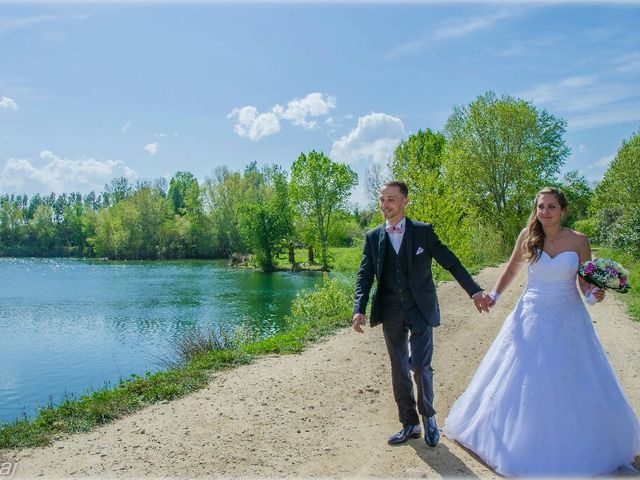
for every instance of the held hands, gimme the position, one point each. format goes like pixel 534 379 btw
pixel 358 321
pixel 483 301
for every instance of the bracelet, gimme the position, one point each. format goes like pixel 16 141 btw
pixel 590 299
pixel 494 296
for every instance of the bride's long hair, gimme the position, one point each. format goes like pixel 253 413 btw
pixel 534 235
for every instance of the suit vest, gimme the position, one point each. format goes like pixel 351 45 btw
pixel 395 282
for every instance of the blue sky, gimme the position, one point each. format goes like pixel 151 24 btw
pixel 93 91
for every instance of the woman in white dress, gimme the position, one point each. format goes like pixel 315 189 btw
pixel 545 400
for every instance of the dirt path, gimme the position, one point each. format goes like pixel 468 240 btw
pixel 324 413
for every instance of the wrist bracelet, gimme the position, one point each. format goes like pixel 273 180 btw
pixel 494 296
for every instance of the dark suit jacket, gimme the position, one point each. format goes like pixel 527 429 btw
pixel 422 245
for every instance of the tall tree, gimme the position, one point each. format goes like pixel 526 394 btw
pixel 500 151
pixel 418 161
pixel 616 201
pixel 179 187
pixel 266 220
pixel 579 194
pixel 319 187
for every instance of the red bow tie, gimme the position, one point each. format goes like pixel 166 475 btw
pixel 396 229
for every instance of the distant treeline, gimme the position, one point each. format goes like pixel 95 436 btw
pixel 474 181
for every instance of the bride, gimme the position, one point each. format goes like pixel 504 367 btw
pixel 545 400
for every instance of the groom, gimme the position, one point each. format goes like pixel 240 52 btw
pixel 399 254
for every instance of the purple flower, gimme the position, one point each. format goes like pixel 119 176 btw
pixel 589 269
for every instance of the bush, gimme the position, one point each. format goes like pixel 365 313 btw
pixel 589 227
pixel 332 298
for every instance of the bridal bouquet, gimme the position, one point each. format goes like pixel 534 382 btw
pixel 605 273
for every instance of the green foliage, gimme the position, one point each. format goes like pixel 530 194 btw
pixel 181 186
pixel 616 202
pixel 332 298
pixel 319 188
pixel 266 220
pixel 589 227
pixel 579 193
pixel 632 264
pixel 500 152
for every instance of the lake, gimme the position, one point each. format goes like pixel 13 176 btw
pixel 68 326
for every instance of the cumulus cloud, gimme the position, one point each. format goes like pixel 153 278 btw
pixel 313 105
pixel 52 173
pixel 252 124
pixel 126 126
pixel 302 112
pixel 374 139
pixel 152 148
pixel 8 103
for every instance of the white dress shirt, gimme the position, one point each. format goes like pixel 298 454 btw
pixel 396 237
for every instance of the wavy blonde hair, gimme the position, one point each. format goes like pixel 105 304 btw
pixel 534 235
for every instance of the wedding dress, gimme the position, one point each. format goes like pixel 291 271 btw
pixel 545 400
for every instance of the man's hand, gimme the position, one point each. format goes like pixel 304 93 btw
pixel 482 301
pixel 358 321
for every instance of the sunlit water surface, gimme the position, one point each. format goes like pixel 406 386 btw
pixel 68 326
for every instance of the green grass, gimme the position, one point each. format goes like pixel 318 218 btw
pixel 631 263
pixel 341 259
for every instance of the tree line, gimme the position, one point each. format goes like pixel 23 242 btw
pixel 258 211
pixel 474 180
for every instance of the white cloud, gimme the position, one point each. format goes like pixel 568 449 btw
pixel 588 101
pixel 469 25
pixel 603 162
pixel 300 109
pixel 59 174
pixel 152 148
pixel 252 124
pixel 8 103
pixel 375 138
pixel 124 128
pixel 459 28
pixel 7 24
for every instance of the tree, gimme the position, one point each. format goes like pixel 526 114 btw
pixel 418 161
pixel 266 221
pixel 179 187
pixel 616 201
pixel 500 152
pixel 579 193
pixel 319 187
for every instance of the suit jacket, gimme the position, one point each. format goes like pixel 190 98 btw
pixel 422 245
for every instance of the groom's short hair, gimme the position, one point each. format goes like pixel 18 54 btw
pixel 404 190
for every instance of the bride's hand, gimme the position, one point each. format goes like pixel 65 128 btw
pixel 598 293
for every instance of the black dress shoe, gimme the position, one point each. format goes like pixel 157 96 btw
pixel 431 433
pixel 409 431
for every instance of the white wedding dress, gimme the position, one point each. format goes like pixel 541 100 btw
pixel 545 400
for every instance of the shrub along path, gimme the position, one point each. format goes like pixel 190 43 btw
pixel 326 412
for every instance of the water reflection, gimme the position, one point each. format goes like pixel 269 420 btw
pixel 68 325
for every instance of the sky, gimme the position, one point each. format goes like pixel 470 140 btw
pixel 90 91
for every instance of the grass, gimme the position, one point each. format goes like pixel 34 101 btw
pixel 341 259
pixel 632 264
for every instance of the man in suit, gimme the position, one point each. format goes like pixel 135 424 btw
pixel 399 255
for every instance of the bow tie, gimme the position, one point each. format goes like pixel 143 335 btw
pixel 396 229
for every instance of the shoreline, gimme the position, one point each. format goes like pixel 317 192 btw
pixel 325 412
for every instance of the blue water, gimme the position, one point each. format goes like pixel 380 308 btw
pixel 68 326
